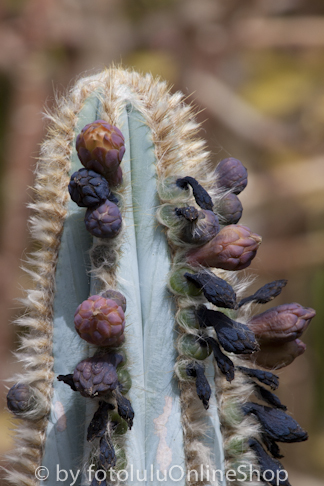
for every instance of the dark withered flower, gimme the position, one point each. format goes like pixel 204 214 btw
pixel 276 424
pixel 203 389
pixel 224 363
pixel 200 194
pixel 215 289
pixel 265 377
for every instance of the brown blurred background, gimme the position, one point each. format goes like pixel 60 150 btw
pixel 257 71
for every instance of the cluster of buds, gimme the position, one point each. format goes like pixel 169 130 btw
pixel 270 339
pixel 100 147
pixel 100 319
pixel 103 377
pixel 231 247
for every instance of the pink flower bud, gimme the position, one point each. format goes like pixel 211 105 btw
pixel 275 357
pixel 281 324
pixel 100 321
pixel 233 248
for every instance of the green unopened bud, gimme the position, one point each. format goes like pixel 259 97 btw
pixel 180 285
pixel 236 446
pixel 168 189
pixel 187 318
pixel 124 379
pixel 166 215
pixel 194 347
pixel 120 426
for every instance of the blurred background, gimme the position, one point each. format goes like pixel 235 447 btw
pixel 256 71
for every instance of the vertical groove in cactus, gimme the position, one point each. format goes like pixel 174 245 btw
pixel 146 262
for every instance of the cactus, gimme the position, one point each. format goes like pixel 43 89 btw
pixel 182 380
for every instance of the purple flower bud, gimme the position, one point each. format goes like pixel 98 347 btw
pixel 116 296
pixel 87 188
pixel 203 229
pixel 230 209
pixel 20 398
pixel 100 321
pixel 231 174
pixel 104 221
pixel 275 357
pixel 281 324
pixel 115 178
pixel 233 248
pixel 97 376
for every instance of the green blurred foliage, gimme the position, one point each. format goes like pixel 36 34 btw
pixel 135 9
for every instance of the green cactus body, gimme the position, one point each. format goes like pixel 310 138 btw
pixel 164 360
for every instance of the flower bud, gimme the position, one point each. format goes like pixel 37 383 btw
pixel 203 229
pixel 96 376
pixel 104 221
pixel 187 318
pixel 124 379
pixel 20 398
pixel 116 296
pixel 281 324
pixel 119 425
pixel 275 357
pixel 180 285
pixel 231 174
pixel 100 147
pixel 87 188
pixel 194 347
pixel 115 178
pixel 233 248
pixel 100 321
pixel 230 209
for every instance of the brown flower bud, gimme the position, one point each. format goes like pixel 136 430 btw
pixel 281 324
pixel 100 147
pixel 275 357
pixel 233 248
